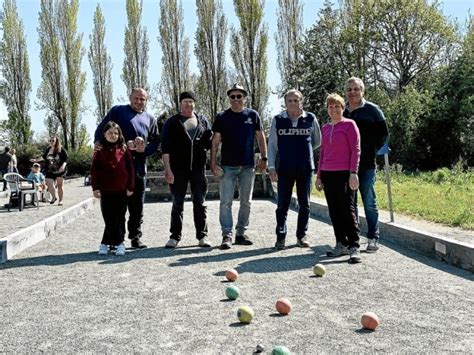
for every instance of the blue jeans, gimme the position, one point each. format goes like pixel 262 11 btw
pixel 367 192
pixel 245 175
pixel 286 181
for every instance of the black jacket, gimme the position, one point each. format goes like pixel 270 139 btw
pixel 185 153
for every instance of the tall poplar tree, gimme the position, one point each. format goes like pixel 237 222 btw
pixel 15 85
pixel 101 65
pixel 73 51
pixel 249 51
pixel 136 47
pixel 211 37
pixel 175 47
pixel 289 33
pixel 52 90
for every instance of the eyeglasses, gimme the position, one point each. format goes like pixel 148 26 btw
pixel 238 97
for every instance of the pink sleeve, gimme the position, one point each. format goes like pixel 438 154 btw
pixel 353 138
pixel 321 155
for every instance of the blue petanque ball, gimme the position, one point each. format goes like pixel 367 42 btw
pixel 281 350
pixel 232 292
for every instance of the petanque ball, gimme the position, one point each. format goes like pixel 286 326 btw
pixel 232 292
pixel 245 314
pixel 281 350
pixel 319 270
pixel 369 321
pixel 283 306
pixel 231 275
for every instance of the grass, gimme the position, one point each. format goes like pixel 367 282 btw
pixel 443 196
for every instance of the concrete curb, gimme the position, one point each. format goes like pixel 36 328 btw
pixel 16 242
pixel 451 251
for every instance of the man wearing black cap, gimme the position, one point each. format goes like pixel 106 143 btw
pixel 186 137
pixel 237 128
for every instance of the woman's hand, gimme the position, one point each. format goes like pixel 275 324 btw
pixel 353 181
pixel 319 184
pixel 129 193
pixel 96 193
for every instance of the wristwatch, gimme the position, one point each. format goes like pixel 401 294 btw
pixel 264 159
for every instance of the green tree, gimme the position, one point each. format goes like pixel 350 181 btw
pixel 289 34
pixel 15 85
pixel 136 47
pixel 101 65
pixel 175 76
pixel 73 51
pixel 249 51
pixel 211 37
pixel 52 90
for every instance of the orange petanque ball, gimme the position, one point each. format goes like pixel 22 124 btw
pixel 370 320
pixel 283 306
pixel 231 275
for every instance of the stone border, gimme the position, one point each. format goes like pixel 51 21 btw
pixel 20 240
pixel 437 247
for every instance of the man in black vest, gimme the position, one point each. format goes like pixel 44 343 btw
pixel 294 135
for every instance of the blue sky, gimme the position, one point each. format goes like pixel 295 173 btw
pixel 115 18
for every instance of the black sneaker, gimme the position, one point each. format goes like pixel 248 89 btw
pixel 226 242
pixel 137 244
pixel 243 240
pixel 280 244
pixel 302 242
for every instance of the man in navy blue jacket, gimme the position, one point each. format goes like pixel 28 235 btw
pixel 140 130
pixel 373 135
pixel 186 138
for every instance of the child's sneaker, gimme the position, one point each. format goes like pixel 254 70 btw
pixel 120 251
pixel 103 249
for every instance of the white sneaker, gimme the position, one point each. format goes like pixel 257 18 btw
pixel 120 251
pixel 204 242
pixel 171 243
pixel 355 255
pixel 338 250
pixel 372 245
pixel 103 249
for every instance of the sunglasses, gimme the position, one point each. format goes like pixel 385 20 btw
pixel 238 97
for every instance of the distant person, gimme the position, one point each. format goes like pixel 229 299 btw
pixel 113 181
pixel 13 162
pixel 373 135
pixel 237 128
pixel 186 139
pixel 5 159
pixel 140 131
pixel 337 176
pixel 38 177
pixel 294 135
pixel 55 158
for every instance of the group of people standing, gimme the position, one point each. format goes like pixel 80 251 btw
pixel 348 146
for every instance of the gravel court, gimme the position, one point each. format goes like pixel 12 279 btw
pixel 60 296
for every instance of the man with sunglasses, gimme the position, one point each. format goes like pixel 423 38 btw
pixel 237 128
pixel 294 135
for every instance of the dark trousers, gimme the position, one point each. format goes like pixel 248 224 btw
pixel 286 181
pixel 341 205
pixel 135 209
pixel 113 207
pixel 198 181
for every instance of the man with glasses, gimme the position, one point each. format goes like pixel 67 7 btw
pixel 373 135
pixel 294 135
pixel 237 128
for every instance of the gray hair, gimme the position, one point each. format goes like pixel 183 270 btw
pixel 355 80
pixel 295 92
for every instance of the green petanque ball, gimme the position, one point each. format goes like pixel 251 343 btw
pixel 245 314
pixel 319 270
pixel 232 292
pixel 281 350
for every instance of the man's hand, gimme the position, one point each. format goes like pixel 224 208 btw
pixel 97 146
pixel 262 165
pixel 273 175
pixel 319 185
pixel 139 144
pixel 215 169
pixel 129 193
pixel 169 176
pixel 96 193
